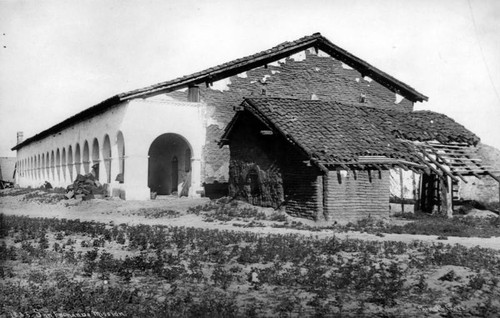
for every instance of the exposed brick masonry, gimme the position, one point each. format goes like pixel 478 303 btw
pixel 357 197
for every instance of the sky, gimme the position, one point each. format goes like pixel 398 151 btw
pixel 58 58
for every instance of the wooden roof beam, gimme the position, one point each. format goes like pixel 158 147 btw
pixel 434 161
pixel 439 173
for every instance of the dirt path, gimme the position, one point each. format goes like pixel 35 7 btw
pixel 129 212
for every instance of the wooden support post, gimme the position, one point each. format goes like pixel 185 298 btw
pixel 416 192
pixel 446 197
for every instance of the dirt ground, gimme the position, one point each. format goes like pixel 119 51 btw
pixel 418 280
pixel 132 213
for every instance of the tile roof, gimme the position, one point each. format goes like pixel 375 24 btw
pixel 332 132
pixel 238 66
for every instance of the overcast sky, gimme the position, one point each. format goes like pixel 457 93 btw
pixel 59 57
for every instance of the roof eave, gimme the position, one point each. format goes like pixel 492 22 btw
pixel 85 114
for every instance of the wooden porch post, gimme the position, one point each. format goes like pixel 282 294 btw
pixel 446 197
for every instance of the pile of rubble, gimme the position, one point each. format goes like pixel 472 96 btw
pixel 85 187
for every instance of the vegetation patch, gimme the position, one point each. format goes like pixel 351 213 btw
pixel 425 224
pixel 69 266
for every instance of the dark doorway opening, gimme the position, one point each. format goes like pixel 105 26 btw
pixel 175 174
pixel 164 174
pixel 430 193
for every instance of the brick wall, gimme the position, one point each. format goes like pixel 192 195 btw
pixel 302 76
pixel 353 198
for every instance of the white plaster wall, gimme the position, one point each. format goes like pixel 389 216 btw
pixel 410 184
pixel 140 121
pixel 148 119
pixel 109 123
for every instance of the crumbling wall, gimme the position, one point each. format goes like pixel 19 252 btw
pixel 356 195
pixel 303 186
pixel 254 171
pixel 305 75
pixel 266 170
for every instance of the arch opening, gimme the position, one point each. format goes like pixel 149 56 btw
pixel 106 156
pixel 165 174
pixel 95 158
pixel 38 176
pixel 70 163
pixel 120 142
pixel 47 166
pixel 86 158
pixel 63 165
pixel 58 165
pixel 42 167
pixel 78 160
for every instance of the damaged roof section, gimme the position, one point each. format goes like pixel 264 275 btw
pixel 336 134
pixel 316 41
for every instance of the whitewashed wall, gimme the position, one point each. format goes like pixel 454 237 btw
pixel 139 121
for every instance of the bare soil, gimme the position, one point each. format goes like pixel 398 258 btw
pixel 431 285
pixel 142 212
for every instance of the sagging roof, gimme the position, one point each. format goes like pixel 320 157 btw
pixel 335 134
pixel 238 66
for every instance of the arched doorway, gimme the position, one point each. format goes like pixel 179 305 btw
pixel 78 160
pixel 95 159
pixel 70 163
pixel 106 155
pixel 86 158
pixel 120 142
pixel 63 165
pixel 58 166
pixel 165 176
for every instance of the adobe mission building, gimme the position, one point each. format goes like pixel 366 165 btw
pixel 305 126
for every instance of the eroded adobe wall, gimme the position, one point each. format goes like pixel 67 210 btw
pixel 349 197
pixel 284 176
pixel 303 186
pixel 305 75
pixel 255 174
